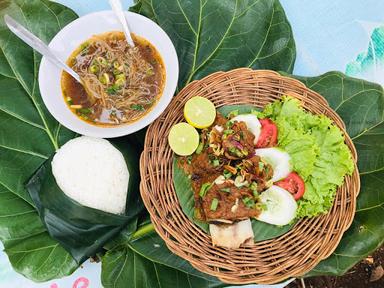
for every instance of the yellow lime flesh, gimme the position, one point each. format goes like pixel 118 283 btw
pixel 199 112
pixel 183 139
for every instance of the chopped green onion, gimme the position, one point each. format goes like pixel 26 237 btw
pixel 85 111
pixel 233 113
pixel 102 61
pixel 248 202
pixel 235 151
pixel 229 124
pixel 83 46
pixel 199 148
pixel 261 166
pixel 112 90
pixel 214 204
pixel 215 163
pixel 150 72
pixel 104 79
pixel 189 159
pixel 255 193
pixel 228 131
pixel 120 82
pixel 69 100
pixel 204 189
pixel 227 174
pixel 261 206
pixel 94 69
pixel 227 190
pixel 137 107
pixel 116 64
pixel 253 186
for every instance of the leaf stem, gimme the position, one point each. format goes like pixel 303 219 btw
pixel 142 231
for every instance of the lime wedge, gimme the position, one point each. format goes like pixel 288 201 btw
pixel 199 112
pixel 183 139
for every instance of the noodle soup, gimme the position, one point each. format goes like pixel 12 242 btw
pixel 126 82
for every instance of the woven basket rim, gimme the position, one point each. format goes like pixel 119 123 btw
pixel 176 229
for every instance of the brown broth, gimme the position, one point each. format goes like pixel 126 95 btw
pixel 98 114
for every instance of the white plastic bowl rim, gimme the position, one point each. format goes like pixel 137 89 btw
pixel 78 31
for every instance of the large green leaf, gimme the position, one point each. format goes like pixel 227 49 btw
pixel 122 267
pixel 361 106
pixel 152 247
pixel 28 136
pixel 216 35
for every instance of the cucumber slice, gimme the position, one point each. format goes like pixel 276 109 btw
pixel 278 159
pixel 280 206
pixel 253 124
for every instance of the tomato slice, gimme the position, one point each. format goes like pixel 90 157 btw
pixel 294 184
pixel 268 134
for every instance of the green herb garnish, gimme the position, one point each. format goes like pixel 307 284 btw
pixel 229 124
pixel 216 163
pixel 261 206
pixel 233 113
pixel 228 132
pixel 204 189
pixel 199 148
pixel 112 90
pixel 214 204
pixel 226 190
pixel 137 107
pixel 261 166
pixel 249 202
pixel 227 174
pixel 235 151
pixel 253 186
pixel 189 159
pixel 69 101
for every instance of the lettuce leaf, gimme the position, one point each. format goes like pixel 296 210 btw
pixel 319 154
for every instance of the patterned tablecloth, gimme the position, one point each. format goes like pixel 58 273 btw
pixel 344 35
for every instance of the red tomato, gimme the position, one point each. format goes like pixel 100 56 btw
pixel 268 134
pixel 294 184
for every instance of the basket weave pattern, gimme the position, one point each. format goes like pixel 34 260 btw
pixel 290 255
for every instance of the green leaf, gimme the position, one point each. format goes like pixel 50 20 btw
pixel 361 105
pixel 122 267
pixel 79 229
pixel 184 192
pixel 152 247
pixel 220 35
pixel 29 135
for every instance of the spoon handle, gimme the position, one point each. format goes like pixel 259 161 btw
pixel 118 9
pixel 38 45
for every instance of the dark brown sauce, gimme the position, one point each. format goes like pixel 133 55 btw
pixel 97 114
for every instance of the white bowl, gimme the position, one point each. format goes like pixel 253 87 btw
pixel 78 31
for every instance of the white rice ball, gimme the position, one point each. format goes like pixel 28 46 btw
pixel 92 172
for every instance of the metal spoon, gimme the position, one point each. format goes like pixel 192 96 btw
pixel 119 12
pixel 21 32
pixel 37 44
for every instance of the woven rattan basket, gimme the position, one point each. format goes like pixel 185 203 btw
pixel 290 255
